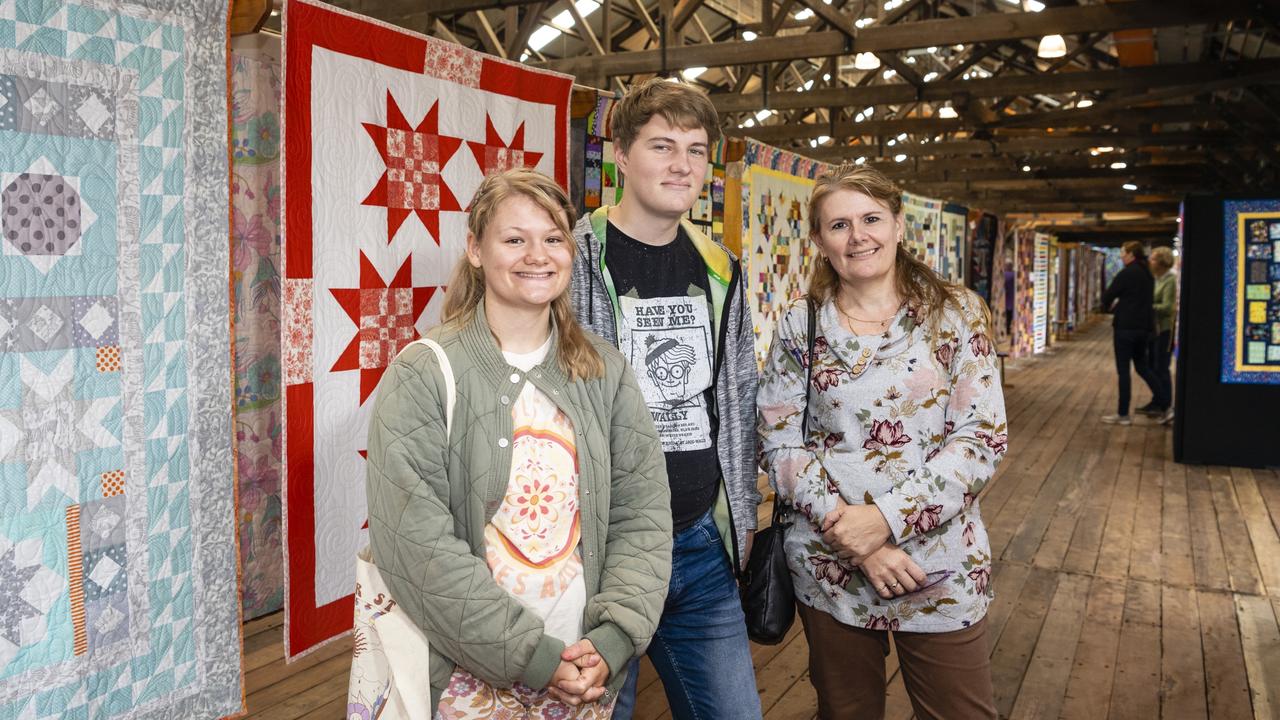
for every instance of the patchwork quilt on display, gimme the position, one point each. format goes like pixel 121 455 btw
pixel 777 266
pixel 923 235
pixel 255 282
pixel 1040 327
pixel 1024 301
pixel 118 594
pixel 387 136
pixel 1251 306
pixel 954 225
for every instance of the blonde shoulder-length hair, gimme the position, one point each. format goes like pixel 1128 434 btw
pixel 926 293
pixel 577 357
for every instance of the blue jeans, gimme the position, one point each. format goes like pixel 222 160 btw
pixel 700 650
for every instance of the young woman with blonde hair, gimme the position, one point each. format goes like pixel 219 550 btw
pixel 906 424
pixel 541 520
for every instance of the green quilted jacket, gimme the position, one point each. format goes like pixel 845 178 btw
pixel 430 499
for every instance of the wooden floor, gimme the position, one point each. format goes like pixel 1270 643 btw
pixel 1127 586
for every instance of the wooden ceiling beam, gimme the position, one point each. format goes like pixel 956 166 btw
pixel 1017 145
pixel 1085 117
pixel 986 27
pixel 1188 77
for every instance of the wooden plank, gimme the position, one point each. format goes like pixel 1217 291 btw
pixel 1137 686
pixel 1088 693
pixel 1269 487
pixel 1206 543
pixel 262 649
pixel 297 686
pixel 1113 554
pixel 1007 581
pixel 1262 531
pixel 799 703
pixel 1145 556
pixel 1175 541
pixel 1045 683
pixel 1065 470
pixel 1018 641
pixel 1092 479
pixel 1242 566
pixel 1260 643
pixel 314 697
pixel 263 624
pixel 785 669
pixel 1082 553
pixel 335 709
pixel 1226 679
pixel 1182 692
pixel 278 671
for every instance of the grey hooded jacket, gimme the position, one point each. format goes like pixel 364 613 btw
pixel 736 373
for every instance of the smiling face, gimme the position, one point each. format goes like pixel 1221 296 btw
pixel 858 234
pixel 664 168
pixel 525 256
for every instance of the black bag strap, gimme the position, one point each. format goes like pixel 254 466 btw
pixel 808 380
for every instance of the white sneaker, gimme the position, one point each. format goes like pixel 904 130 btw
pixel 1116 420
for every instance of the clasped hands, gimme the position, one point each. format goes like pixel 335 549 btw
pixel 859 534
pixel 581 676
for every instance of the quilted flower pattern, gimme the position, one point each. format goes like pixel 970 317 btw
pixel 918 432
pixel 255 278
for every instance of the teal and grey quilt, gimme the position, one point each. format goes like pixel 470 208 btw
pixel 118 592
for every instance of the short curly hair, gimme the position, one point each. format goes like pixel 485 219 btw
pixel 1162 256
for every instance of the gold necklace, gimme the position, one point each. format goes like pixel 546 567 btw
pixel 879 323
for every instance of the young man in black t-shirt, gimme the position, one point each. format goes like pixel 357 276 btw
pixel 674 303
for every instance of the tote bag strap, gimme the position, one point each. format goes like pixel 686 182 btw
pixel 450 389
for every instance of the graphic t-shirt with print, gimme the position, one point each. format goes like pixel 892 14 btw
pixel 665 331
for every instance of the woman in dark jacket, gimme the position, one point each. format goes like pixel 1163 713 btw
pixel 1130 301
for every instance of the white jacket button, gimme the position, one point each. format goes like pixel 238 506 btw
pixel 502 442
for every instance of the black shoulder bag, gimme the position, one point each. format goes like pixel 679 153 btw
pixel 768 596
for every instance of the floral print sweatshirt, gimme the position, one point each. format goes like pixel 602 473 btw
pixel 910 420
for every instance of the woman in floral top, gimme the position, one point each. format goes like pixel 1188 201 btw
pixel 906 426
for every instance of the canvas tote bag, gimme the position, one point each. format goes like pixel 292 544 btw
pixel 390 678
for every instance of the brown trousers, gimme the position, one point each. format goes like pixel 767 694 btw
pixel 948 675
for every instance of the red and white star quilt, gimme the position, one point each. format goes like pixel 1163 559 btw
pixel 387 135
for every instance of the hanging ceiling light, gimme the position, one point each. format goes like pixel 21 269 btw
pixel 866 61
pixel 946 111
pixel 1052 46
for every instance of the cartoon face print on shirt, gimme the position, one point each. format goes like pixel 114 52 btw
pixel 668 342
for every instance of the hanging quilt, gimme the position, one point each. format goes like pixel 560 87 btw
pixel 118 592
pixel 777 266
pixel 255 285
pixel 923 235
pixel 982 242
pixel 955 220
pixel 1251 306
pixel 1024 310
pixel 387 135
pixel 1002 288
